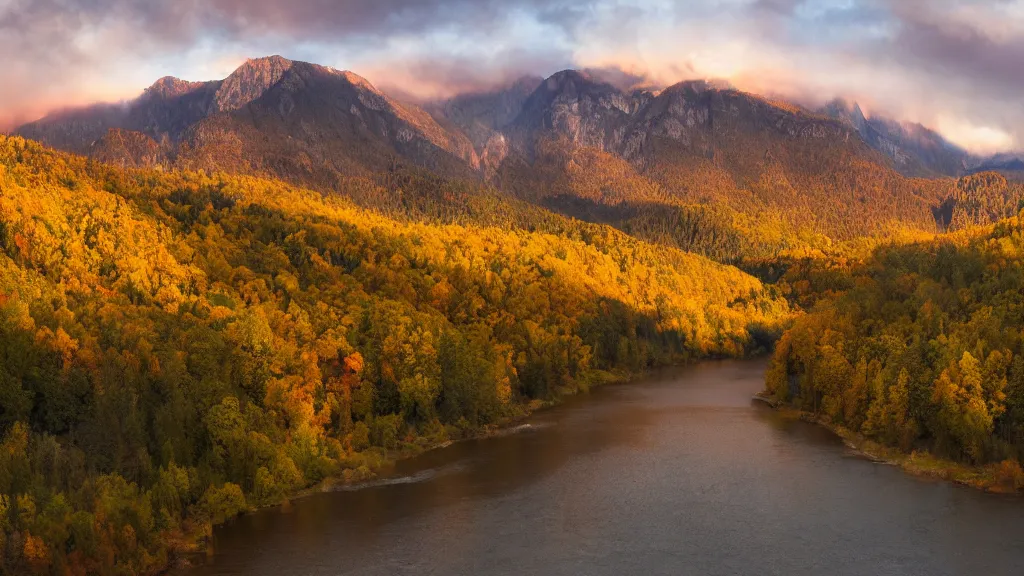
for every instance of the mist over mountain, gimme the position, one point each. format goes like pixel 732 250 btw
pixel 481 114
pixel 601 145
pixel 915 149
pixel 898 56
pixel 1010 163
pixel 171 107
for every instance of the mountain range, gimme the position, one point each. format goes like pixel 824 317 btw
pixel 638 159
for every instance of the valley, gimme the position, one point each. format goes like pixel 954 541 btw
pixel 222 294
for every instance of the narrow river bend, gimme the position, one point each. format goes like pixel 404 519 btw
pixel 677 474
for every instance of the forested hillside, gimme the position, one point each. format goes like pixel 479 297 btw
pixel 777 209
pixel 696 166
pixel 921 348
pixel 178 347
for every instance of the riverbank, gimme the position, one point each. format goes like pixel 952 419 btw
pixel 653 476
pixel 1003 478
pixel 191 549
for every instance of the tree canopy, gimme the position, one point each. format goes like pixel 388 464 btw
pixel 178 347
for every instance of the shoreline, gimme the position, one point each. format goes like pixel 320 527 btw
pixel 920 464
pixel 193 549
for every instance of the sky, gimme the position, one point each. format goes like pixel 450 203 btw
pixel 954 65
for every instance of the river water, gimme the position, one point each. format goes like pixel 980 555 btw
pixel 679 473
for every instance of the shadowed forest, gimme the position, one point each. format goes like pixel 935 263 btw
pixel 177 348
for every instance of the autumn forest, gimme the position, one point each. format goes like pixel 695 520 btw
pixel 204 316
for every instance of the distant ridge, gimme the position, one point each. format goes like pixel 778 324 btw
pixel 589 144
pixel 914 149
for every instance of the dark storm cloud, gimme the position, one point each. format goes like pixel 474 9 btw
pixel 960 51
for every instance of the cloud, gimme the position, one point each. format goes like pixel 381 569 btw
pixel 980 54
pixel 78 51
pixel 435 78
pixel 954 63
pixel 458 59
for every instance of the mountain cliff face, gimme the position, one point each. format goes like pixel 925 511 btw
pixel 168 108
pixel 581 140
pixel 315 122
pixel 482 115
pixel 250 81
pixel 914 149
pixel 574 104
pixel 706 121
pixel 697 116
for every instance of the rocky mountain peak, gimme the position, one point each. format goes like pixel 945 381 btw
pixel 576 92
pixel 847 111
pixel 577 105
pixel 250 81
pixel 690 87
pixel 316 73
pixel 169 87
pixel 573 83
pixel 602 109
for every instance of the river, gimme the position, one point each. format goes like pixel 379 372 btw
pixel 678 473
